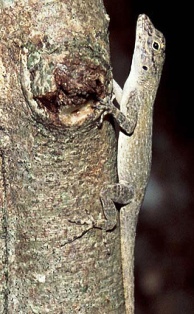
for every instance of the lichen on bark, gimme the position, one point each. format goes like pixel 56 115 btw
pixel 54 159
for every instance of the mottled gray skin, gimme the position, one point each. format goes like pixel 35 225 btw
pixel 136 102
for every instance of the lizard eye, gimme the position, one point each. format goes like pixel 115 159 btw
pixel 144 67
pixel 156 45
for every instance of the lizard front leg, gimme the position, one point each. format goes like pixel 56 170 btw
pixel 127 122
pixel 118 92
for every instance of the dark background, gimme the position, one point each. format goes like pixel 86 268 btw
pixel 164 259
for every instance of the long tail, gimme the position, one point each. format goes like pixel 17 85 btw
pixel 128 222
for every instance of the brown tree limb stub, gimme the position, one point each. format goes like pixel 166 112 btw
pixel 62 89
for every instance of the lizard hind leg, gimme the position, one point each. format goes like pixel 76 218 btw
pixel 111 194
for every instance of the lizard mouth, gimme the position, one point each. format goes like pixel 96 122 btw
pixel 145 24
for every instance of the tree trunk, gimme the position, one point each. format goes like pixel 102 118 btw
pixel 54 160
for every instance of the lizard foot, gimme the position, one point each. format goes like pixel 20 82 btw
pixel 105 106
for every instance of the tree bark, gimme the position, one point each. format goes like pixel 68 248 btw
pixel 54 160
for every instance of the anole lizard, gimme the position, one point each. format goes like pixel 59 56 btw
pixel 136 102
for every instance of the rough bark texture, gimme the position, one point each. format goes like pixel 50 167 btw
pixel 54 160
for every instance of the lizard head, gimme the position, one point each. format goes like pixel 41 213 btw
pixel 149 52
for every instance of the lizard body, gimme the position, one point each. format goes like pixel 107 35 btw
pixel 136 102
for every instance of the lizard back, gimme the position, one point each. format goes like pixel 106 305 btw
pixel 134 152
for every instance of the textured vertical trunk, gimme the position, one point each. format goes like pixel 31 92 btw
pixel 54 159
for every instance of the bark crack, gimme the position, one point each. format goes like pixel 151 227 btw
pixel 77 237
